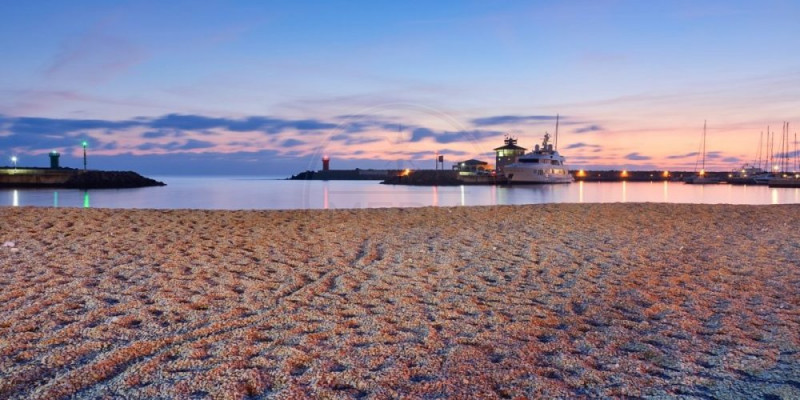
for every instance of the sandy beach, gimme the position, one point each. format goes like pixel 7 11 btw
pixel 550 301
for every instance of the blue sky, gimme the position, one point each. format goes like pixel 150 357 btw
pixel 266 88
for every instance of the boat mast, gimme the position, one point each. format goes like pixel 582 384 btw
pixel 703 170
pixel 781 154
pixel 761 139
pixel 786 150
pixel 555 146
pixel 770 143
pixel 795 153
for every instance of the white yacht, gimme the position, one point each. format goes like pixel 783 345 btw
pixel 542 165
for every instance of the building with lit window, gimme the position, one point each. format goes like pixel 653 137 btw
pixel 472 167
pixel 507 154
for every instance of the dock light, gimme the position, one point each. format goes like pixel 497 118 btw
pixel 624 174
pixel 730 175
pixel 665 174
pixel 84 154
pixel 702 172
pixel 14 160
pixel 775 168
pixel 406 172
pixel 581 174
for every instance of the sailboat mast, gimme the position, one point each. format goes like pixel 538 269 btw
pixel 786 159
pixel 760 140
pixel 556 141
pixel 704 147
pixel 786 150
pixel 770 143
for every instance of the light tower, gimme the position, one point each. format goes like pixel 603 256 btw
pixel 84 155
pixel 14 160
pixel 54 159
pixel 326 163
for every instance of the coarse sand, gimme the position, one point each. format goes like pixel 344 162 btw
pixel 539 301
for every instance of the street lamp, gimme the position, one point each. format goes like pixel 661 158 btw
pixel 84 155
pixel 14 160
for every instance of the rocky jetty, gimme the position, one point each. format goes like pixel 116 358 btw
pixel 110 180
pixel 73 178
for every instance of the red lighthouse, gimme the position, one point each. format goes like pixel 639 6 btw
pixel 326 163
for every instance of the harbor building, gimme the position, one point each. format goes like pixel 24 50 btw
pixel 507 154
pixel 472 167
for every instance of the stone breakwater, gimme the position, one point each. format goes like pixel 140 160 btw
pixel 541 301
pixel 73 178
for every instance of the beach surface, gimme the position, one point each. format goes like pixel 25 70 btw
pixel 550 301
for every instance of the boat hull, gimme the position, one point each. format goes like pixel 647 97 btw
pixel 537 175
pixel 702 181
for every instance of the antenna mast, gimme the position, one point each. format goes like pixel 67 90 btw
pixel 704 146
pixel 761 139
pixel 556 141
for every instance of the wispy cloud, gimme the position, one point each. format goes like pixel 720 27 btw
pixel 636 157
pixel 590 128
pixel 94 57
pixel 680 156
pixel 513 119
pixel 580 145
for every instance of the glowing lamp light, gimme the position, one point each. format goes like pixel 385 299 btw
pixel 624 173
pixel 730 175
pixel 702 172
pixel 406 172
pixel 775 168
pixel 14 160
pixel 581 173
pixel 665 174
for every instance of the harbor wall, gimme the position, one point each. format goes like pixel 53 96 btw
pixel 34 176
pixel 73 178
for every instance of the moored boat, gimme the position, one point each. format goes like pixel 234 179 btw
pixel 702 178
pixel 747 175
pixel 542 165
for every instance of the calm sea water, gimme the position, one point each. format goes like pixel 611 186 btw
pixel 261 193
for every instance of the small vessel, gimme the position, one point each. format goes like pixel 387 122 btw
pixel 542 165
pixel 748 175
pixel 702 178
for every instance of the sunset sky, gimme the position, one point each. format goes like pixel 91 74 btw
pixel 267 88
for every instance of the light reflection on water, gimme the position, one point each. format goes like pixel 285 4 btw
pixel 250 193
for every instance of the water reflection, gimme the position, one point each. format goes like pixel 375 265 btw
pixel 624 191
pixel 227 193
